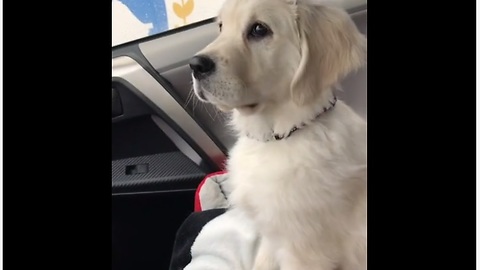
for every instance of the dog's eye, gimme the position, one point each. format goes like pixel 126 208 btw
pixel 258 30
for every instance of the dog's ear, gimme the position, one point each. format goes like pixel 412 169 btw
pixel 331 47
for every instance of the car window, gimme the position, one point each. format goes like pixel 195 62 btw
pixel 134 19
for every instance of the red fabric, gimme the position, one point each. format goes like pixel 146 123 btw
pixel 198 205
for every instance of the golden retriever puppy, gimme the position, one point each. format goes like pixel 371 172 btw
pixel 298 168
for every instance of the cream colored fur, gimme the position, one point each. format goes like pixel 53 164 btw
pixel 306 194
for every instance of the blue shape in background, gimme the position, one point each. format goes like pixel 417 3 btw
pixel 150 11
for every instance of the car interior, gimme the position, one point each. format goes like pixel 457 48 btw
pixel 164 141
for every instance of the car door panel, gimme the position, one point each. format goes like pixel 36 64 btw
pixel 156 166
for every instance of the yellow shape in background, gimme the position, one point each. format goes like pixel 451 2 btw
pixel 183 10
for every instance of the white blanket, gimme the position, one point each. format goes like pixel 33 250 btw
pixel 228 242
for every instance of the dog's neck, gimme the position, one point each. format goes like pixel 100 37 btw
pixel 280 121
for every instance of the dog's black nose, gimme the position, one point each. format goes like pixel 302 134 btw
pixel 202 66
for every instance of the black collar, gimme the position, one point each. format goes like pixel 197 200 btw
pixel 278 137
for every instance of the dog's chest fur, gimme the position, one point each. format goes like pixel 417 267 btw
pixel 307 184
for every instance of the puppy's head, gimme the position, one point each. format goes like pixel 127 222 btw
pixel 272 50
